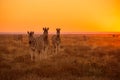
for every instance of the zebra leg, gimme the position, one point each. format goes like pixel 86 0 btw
pixel 56 49
pixel 36 56
pixel 31 55
pixel 59 48
pixel 41 53
pixel 46 49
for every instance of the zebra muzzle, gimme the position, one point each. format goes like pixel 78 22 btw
pixel 30 42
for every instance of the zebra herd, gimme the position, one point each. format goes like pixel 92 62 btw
pixel 41 44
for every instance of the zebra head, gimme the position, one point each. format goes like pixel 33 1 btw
pixel 58 31
pixel 45 32
pixel 30 36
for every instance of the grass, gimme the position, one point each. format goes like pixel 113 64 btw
pixel 95 58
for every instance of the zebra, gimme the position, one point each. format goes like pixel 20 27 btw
pixel 45 39
pixel 56 40
pixel 38 44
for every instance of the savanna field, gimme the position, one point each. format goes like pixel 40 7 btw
pixel 81 57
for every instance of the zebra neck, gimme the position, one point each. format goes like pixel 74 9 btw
pixel 45 37
pixel 58 36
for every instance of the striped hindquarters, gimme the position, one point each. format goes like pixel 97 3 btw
pixel 37 43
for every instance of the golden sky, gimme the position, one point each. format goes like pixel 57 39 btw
pixel 69 15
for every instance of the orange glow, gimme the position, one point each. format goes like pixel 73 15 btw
pixel 70 15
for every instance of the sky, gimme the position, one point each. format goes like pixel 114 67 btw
pixel 69 15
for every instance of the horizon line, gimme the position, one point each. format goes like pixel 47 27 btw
pixel 63 32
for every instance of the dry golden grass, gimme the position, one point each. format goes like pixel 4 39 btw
pixel 82 57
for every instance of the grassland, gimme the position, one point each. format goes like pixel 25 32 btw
pixel 82 57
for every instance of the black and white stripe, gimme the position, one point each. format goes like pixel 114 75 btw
pixel 39 44
pixel 56 40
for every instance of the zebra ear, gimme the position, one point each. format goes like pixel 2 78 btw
pixel 32 32
pixel 43 28
pixel 28 32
